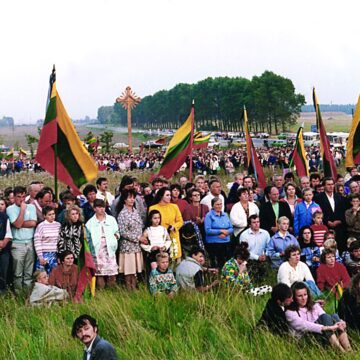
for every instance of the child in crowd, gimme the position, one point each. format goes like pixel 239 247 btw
pixel 43 293
pixel 345 256
pixel 330 244
pixel 157 236
pixel 318 228
pixel 45 241
pixel 162 278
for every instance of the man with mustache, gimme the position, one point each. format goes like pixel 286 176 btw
pixel 86 330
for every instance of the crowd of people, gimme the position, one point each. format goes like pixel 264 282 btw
pixel 207 161
pixel 194 236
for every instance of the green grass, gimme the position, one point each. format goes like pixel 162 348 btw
pixel 218 325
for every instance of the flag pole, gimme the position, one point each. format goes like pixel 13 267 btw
pixel 52 80
pixel 192 140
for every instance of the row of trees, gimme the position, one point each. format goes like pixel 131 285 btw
pixel 270 99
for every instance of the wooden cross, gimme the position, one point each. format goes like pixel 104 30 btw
pixel 128 100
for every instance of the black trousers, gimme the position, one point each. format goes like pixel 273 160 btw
pixel 219 253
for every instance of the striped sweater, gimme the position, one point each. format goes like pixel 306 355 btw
pixel 46 237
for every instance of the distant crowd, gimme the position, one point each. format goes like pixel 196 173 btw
pixel 192 236
pixel 205 161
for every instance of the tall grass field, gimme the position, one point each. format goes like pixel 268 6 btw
pixel 217 325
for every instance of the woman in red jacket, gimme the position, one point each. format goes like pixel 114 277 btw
pixel 330 272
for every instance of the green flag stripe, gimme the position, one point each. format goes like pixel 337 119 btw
pixel 177 149
pixel 68 159
pixel 51 111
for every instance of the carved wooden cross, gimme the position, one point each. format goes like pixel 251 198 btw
pixel 129 100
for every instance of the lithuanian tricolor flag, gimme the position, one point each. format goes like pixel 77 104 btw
pixel 201 141
pixel 179 148
pixel 253 162
pixel 75 166
pixel 353 144
pixel 86 267
pixel 299 154
pixel 327 158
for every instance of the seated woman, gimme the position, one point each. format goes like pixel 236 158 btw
pixel 65 276
pixel 306 316
pixel 234 271
pixel 293 270
pixel 331 273
pixel 349 306
pixel 162 278
pixel 43 293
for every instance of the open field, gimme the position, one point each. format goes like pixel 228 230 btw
pixel 332 121
pixel 17 137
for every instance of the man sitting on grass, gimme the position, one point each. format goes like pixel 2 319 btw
pixel 86 330
pixel 190 272
pixel 273 316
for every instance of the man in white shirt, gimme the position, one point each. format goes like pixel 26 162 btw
pixel 257 240
pixel 102 186
pixel 215 191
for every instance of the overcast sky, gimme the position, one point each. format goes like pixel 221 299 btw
pixel 101 46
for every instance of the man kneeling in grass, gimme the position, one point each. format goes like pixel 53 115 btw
pixel 190 272
pixel 86 330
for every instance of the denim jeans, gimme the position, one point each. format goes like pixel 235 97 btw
pixel 23 264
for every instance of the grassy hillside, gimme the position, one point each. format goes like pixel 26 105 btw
pixel 218 325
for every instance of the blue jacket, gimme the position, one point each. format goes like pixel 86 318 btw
pixel 303 215
pixel 277 245
pixel 307 254
pixel 213 224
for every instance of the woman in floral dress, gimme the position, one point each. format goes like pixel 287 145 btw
pixel 102 234
pixel 131 227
